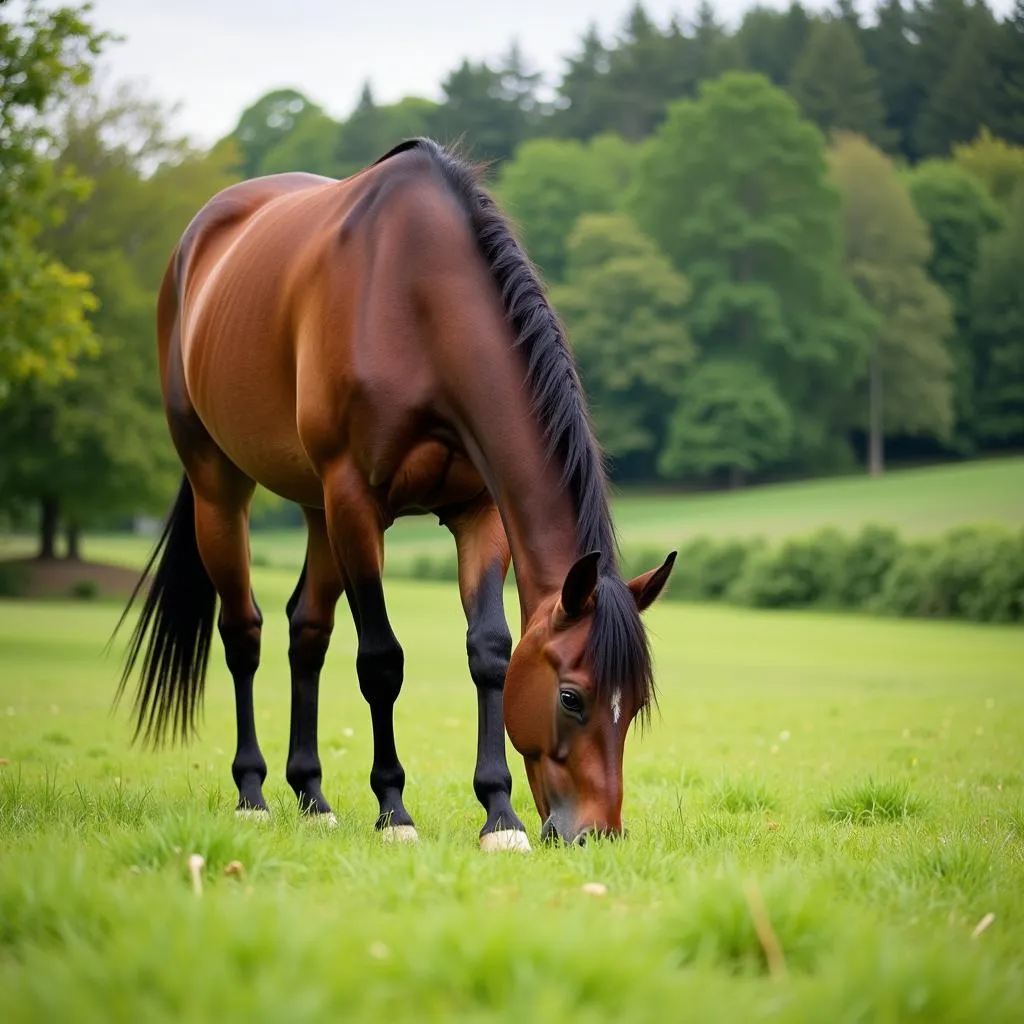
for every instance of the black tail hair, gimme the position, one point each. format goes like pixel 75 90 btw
pixel 178 615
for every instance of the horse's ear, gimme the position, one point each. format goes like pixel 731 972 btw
pixel 648 586
pixel 579 585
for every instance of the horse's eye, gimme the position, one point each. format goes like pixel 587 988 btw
pixel 571 701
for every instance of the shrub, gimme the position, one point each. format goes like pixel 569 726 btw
pixel 799 573
pixel 705 568
pixel 85 590
pixel 904 590
pixel 865 565
pixel 13 579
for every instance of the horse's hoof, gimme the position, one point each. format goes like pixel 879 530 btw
pixel 258 814
pixel 399 834
pixel 321 820
pixel 505 839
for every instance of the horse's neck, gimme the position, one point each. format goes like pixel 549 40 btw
pixel 507 443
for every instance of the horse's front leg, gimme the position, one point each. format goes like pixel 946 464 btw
pixel 483 564
pixel 357 537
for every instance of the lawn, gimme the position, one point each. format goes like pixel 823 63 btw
pixel 853 785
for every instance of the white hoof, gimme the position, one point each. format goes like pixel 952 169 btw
pixel 399 834
pixel 256 814
pixel 505 839
pixel 321 820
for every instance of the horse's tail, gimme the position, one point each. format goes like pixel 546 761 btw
pixel 178 616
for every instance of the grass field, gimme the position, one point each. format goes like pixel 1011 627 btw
pixel 917 502
pixel 860 779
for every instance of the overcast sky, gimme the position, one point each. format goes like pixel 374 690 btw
pixel 217 56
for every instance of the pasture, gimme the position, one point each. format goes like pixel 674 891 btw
pixel 826 823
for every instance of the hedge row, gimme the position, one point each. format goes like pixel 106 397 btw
pixel 974 573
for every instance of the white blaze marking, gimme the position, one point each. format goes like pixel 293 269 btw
pixel 616 706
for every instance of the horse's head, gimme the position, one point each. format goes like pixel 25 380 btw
pixel 578 677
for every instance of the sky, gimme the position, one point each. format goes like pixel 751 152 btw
pixel 215 57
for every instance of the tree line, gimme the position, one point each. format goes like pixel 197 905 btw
pixel 777 250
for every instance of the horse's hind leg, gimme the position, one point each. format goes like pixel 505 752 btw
pixel 222 533
pixel 310 624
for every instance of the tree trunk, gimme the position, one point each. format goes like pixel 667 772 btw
pixel 72 534
pixel 876 428
pixel 48 523
pixel 736 478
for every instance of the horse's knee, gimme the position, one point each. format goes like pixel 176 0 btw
pixel 489 646
pixel 380 670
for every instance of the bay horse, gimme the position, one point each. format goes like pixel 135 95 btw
pixel 370 348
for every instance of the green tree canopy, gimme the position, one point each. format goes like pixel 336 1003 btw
pixel 266 123
pixel 98 444
pixel 734 188
pixel 551 182
pixel 623 305
pixel 908 387
pixel 44 306
pixel 959 214
pixel 729 421
pixel 997 164
pixel 310 146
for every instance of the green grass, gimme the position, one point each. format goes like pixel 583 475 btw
pixel 860 780
pixel 917 502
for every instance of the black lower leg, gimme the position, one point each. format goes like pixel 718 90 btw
pixel 306 654
pixel 242 652
pixel 380 666
pixel 489 645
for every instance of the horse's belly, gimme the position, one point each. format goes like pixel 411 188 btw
pixel 250 414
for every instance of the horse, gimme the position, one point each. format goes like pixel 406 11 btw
pixel 369 348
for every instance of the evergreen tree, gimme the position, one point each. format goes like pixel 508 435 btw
pixel 834 85
pixel 997 325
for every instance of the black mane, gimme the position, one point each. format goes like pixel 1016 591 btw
pixel 618 646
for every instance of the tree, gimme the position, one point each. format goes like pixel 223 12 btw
pixel 997 326
pixel 1007 117
pixel 771 42
pixel 961 100
pixel 265 124
pixel 551 182
pixel 309 147
pixel 372 130
pixel 734 188
pixel 729 419
pixel 43 305
pixel 475 113
pixel 98 444
pixel 834 85
pixel 887 247
pixel 959 214
pixel 998 165
pixel 891 54
pixel 623 304
pixel 579 113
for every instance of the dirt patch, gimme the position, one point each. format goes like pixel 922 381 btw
pixel 60 578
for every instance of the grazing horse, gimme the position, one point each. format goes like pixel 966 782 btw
pixel 370 348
